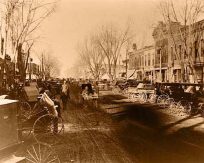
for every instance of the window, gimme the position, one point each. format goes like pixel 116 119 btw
pixel 153 59
pixel 172 54
pixel 164 56
pixel 149 60
pixel 157 58
pixel 196 48
pixel 190 51
pixel 202 48
pixel 145 59
pixel 185 54
pixel 180 51
pixel 175 54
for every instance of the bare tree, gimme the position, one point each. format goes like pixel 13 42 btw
pixel 189 32
pixel 111 40
pixel 92 57
pixel 22 21
pixel 50 65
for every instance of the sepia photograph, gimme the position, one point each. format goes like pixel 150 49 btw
pixel 101 81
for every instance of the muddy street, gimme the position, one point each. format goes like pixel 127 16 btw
pixel 130 133
pixel 118 131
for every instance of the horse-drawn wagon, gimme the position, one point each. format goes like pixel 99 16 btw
pixel 141 93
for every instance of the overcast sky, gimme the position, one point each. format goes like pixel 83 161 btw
pixel 75 19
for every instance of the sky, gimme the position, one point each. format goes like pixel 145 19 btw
pixel 76 19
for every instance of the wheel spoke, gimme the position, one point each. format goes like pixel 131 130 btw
pixel 35 152
pixel 39 152
pixel 53 160
pixel 32 155
pixel 31 160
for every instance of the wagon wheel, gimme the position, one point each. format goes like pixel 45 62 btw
pixel 173 105
pixel 25 111
pixel 38 109
pixel 162 100
pixel 130 97
pixel 116 90
pixel 125 91
pixel 41 153
pixel 142 98
pixel 152 98
pixel 187 108
pixel 46 129
pixel 135 97
pixel 169 103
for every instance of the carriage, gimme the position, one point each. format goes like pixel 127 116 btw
pixel 140 93
pixel 89 94
pixel 186 96
pixel 13 127
pixel 38 114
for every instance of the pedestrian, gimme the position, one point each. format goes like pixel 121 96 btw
pixel 64 94
pixel 68 90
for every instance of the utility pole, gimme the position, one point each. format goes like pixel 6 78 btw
pixel 30 69
pixel 126 59
pixel 160 64
pixel 42 67
pixel 126 63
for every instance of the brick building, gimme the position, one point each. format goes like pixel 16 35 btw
pixel 182 50
pixel 142 62
pixel 176 56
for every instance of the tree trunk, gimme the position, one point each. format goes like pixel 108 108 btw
pixel 20 64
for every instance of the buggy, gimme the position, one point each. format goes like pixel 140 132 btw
pixel 89 95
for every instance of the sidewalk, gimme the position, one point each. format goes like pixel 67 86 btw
pixel 172 120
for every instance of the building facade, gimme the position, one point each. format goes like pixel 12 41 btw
pixel 141 63
pixel 184 49
pixel 176 56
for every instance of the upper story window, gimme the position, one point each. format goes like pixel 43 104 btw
pixel 149 59
pixel 179 51
pixel 196 48
pixel 157 57
pixel 173 57
pixel 202 48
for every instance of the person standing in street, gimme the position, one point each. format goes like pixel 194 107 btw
pixel 64 94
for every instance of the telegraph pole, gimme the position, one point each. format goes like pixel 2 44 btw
pixel 160 64
pixel 30 69
pixel 42 67
pixel 126 63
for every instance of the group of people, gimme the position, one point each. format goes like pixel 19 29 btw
pixel 57 91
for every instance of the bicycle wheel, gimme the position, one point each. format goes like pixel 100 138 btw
pixel 46 129
pixel 41 153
